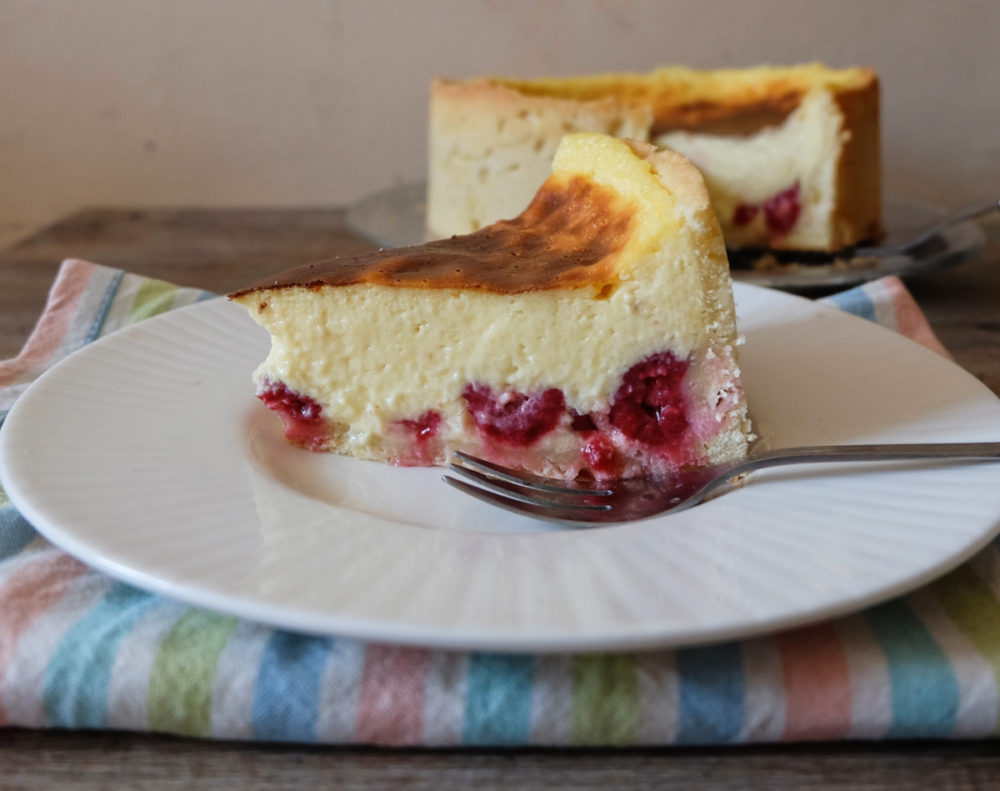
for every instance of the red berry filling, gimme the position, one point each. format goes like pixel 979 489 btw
pixel 650 406
pixel 514 418
pixel 424 427
pixel 781 211
pixel 601 457
pixel 744 214
pixel 581 423
pixel 301 415
pixel 418 448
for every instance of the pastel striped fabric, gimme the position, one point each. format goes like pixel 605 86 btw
pixel 80 650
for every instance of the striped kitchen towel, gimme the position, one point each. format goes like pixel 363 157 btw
pixel 80 650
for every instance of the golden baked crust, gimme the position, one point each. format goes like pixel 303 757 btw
pixel 568 237
pixel 684 98
pixel 859 183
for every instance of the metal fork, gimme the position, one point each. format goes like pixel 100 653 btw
pixel 629 499
pixel 913 245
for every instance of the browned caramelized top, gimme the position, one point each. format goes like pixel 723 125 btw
pixel 567 238
pixel 735 118
pixel 720 101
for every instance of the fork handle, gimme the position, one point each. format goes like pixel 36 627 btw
pixel 895 452
pixel 964 213
pixel 817 454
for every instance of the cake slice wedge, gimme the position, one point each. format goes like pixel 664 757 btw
pixel 593 335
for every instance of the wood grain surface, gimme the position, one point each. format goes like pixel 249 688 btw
pixel 46 760
pixel 223 249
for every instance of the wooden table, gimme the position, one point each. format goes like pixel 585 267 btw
pixel 223 249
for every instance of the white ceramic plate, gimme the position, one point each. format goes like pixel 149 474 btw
pixel 147 456
pixel 394 217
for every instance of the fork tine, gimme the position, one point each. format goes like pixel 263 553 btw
pixel 578 513
pixel 548 498
pixel 466 463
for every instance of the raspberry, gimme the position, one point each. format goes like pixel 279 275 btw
pixel 781 211
pixel 649 406
pixel 415 446
pixel 424 427
pixel 512 417
pixel 301 415
pixel 601 457
pixel 581 423
pixel 744 214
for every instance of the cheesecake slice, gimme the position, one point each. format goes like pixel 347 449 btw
pixel 593 335
pixel 790 154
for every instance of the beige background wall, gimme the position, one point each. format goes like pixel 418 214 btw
pixel 260 102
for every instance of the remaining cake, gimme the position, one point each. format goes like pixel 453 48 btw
pixel 790 154
pixel 592 335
